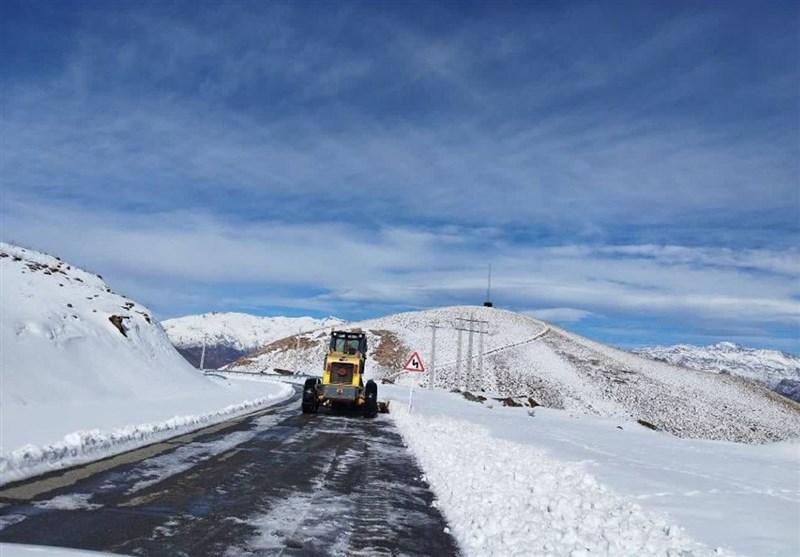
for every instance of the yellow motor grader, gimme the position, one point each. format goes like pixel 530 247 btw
pixel 342 384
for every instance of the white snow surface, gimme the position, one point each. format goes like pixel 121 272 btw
pixel 526 357
pixel 24 550
pixel 768 367
pixel 238 330
pixel 73 388
pixel 521 481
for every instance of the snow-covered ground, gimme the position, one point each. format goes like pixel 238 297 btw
pixel 521 481
pixel 526 357
pixel 87 373
pixel 22 550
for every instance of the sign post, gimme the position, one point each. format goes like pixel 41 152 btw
pixel 432 373
pixel 414 364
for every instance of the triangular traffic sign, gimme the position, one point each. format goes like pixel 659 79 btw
pixel 414 363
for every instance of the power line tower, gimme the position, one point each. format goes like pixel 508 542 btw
pixel 458 357
pixel 472 326
pixel 432 372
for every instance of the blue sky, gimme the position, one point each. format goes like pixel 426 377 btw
pixel 630 169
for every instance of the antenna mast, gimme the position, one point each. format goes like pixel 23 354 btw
pixel 488 302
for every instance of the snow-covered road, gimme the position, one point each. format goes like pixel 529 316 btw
pixel 276 483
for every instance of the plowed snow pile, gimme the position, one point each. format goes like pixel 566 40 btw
pixel 86 372
pixel 522 481
pixel 525 357
pixel 518 502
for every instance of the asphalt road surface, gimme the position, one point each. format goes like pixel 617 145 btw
pixel 274 483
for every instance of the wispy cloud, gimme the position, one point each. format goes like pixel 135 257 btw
pixel 94 130
pixel 166 156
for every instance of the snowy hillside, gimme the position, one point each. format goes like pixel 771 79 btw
pixel 526 358
pixel 228 336
pixel 67 336
pixel 77 357
pixel 775 370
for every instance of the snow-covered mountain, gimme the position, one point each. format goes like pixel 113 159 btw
pixel 775 370
pixel 87 372
pixel 527 358
pixel 229 336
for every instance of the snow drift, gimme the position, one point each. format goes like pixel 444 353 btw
pixel 527 358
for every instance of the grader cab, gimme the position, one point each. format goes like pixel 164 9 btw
pixel 342 384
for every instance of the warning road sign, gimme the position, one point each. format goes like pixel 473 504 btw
pixel 414 363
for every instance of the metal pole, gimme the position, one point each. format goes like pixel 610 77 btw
pixel 480 356
pixel 432 377
pixel 297 351
pixel 469 353
pixel 203 356
pixel 458 362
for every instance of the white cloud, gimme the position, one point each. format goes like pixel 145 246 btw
pixel 559 315
pixel 339 265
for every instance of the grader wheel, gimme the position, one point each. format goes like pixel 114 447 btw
pixel 371 399
pixel 310 403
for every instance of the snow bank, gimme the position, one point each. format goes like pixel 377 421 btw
pixel 745 498
pixel 505 498
pixel 85 446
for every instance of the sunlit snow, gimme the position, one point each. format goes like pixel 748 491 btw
pixel 74 387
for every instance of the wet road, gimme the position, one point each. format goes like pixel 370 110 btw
pixel 275 483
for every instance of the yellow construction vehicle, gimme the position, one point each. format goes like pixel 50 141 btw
pixel 342 383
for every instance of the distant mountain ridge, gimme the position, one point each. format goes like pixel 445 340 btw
pixel 774 369
pixel 231 335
